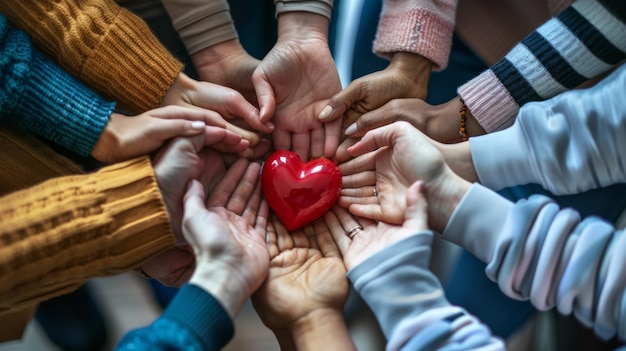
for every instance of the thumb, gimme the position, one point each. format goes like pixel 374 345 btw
pixel 338 104
pixel 416 215
pixel 264 95
pixel 193 200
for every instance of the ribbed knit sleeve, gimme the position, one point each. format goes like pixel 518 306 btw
pixel 66 230
pixel 107 47
pixel 582 42
pixel 40 97
pixel 321 7
pixel 201 23
pixel 420 27
pixel 194 320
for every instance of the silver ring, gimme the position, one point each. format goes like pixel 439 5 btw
pixel 354 231
pixel 375 191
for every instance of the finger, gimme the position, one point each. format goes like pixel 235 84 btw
pixel 359 180
pixel 248 135
pixel 242 108
pixel 251 210
pixel 264 95
pixel 193 199
pixel 370 211
pixel 359 164
pixel 262 216
pixel 368 121
pixel 173 112
pixel 324 240
pixel 261 149
pixel 362 192
pixel 340 102
pixel 337 232
pixel 300 238
pixel 309 231
pixel 376 138
pixel 301 143
pixel 271 240
pixel 221 194
pixel 244 190
pixel 285 241
pixel 317 142
pixel 347 201
pixel 164 129
pixel 281 139
pixel 416 215
pixel 342 155
pixel 347 220
pixel 333 134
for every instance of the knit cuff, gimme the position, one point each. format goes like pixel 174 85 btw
pixel 416 31
pixel 203 315
pixel 489 102
pixel 320 7
pixel 129 64
pixel 201 24
pixel 59 108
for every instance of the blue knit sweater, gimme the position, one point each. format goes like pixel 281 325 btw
pixel 37 95
pixel 194 320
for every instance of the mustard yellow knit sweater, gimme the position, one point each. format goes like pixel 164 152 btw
pixel 107 47
pixel 56 235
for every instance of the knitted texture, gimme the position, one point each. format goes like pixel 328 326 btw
pixel 424 29
pixel 40 97
pixel 66 230
pixel 107 47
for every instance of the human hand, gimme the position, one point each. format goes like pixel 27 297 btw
pixel 231 108
pixel 306 284
pixel 227 236
pixel 359 238
pixel 294 82
pixel 389 159
pixel 439 122
pixel 126 137
pixel 406 77
pixel 229 65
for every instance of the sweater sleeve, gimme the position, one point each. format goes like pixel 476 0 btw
pixel 60 233
pixel 201 23
pixel 547 255
pixel 582 42
pixel 194 320
pixel 321 7
pixel 37 95
pixel 422 27
pixel 107 47
pixel 583 131
pixel 409 302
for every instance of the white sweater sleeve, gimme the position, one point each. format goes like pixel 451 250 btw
pixel 568 144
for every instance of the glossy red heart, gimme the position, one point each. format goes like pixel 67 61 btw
pixel 298 192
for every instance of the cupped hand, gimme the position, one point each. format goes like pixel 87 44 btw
pixel 306 276
pixel 370 236
pixel 406 77
pixel 390 158
pixel 227 235
pixel 293 84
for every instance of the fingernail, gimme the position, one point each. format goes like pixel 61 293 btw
pixel 270 124
pixel 198 124
pixel 326 112
pixel 351 129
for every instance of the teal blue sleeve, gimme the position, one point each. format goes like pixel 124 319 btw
pixel 39 96
pixel 194 320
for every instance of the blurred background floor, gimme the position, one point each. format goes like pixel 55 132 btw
pixel 127 302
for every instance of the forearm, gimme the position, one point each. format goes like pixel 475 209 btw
pixel 42 98
pixel 66 230
pixel 537 251
pixel 107 47
pixel 583 130
pixel 424 28
pixel 322 329
pixel 201 24
pixel 584 41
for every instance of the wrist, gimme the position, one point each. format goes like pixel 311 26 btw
pixel 443 194
pixel 416 67
pixel 302 25
pixel 311 332
pixel 459 157
pixel 221 284
pixel 285 340
pixel 217 55
pixel 181 85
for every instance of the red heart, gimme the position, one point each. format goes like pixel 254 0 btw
pixel 298 192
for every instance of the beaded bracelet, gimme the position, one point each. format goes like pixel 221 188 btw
pixel 462 130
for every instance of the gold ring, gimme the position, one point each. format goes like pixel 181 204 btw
pixel 354 231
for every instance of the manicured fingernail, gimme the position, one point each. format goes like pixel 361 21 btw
pixel 270 124
pixel 326 112
pixel 198 124
pixel 351 129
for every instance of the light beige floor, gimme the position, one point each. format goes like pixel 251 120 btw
pixel 127 303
